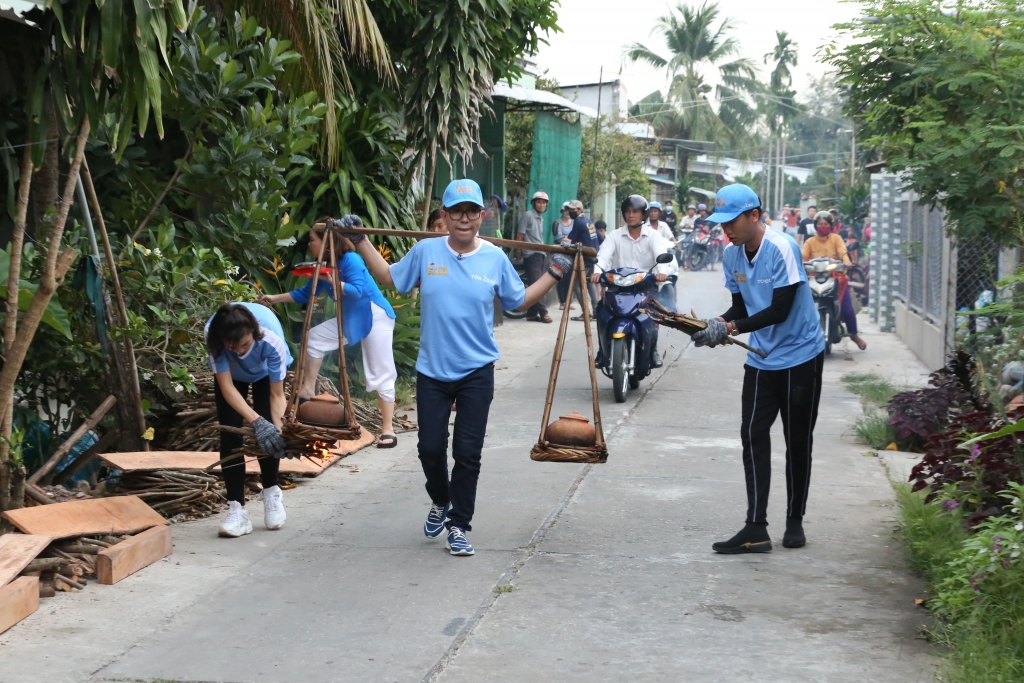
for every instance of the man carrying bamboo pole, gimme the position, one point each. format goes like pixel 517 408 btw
pixel 771 300
pixel 458 276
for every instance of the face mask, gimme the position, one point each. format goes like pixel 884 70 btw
pixel 823 230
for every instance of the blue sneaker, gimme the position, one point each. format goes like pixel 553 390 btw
pixel 457 542
pixel 434 525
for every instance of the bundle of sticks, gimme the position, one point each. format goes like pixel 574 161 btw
pixel 67 564
pixel 194 493
pixel 195 424
pixel 305 441
pixel 689 324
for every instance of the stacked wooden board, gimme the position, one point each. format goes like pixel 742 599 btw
pixel 63 543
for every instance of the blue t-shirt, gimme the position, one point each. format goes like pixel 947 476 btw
pixel 778 263
pixel 584 231
pixel 266 357
pixel 360 291
pixel 457 304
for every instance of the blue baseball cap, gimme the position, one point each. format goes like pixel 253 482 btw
pixel 462 190
pixel 731 201
pixel 654 205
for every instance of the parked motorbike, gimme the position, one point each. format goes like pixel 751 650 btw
pixel 825 288
pixel 683 246
pixel 859 275
pixel 625 333
pixel 700 250
pixel 717 244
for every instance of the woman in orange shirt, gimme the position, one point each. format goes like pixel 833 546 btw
pixel 829 244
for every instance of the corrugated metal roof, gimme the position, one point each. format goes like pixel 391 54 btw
pixel 542 97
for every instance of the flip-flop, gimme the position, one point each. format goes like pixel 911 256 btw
pixel 391 441
pixel 577 317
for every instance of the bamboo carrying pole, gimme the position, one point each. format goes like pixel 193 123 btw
pixel 508 244
pixel 300 371
pixel 556 357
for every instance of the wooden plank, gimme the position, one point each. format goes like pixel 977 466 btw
pixel 132 554
pixel 114 515
pixel 197 460
pixel 18 599
pixel 16 551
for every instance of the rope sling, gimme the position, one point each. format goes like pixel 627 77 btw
pixel 544 450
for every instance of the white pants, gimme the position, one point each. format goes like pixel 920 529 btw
pixel 378 359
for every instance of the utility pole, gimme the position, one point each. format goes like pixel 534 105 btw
pixel 836 198
pixel 853 154
pixel 782 173
pixel 768 175
pixel 597 131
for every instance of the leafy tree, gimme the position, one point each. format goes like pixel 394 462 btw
pixel 619 161
pixel 938 92
pixel 697 46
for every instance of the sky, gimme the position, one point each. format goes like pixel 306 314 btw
pixel 595 32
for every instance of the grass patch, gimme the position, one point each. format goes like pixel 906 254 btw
pixel 873 390
pixel 986 647
pixel 874 430
pixel 508 588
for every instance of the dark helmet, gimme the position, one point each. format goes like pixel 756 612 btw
pixel 637 202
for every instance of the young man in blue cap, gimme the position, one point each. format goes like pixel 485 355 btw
pixel 771 300
pixel 458 275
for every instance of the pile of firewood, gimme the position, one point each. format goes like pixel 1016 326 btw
pixel 67 564
pixel 193 492
pixel 195 421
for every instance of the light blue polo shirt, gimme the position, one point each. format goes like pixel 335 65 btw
pixel 457 304
pixel 266 357
pixel 778 263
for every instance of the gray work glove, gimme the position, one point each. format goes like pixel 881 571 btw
pixel 268 437
pixel 560 265
pixel 351 221
pixel 712 335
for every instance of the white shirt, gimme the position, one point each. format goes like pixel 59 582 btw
pixel 664 231
pixel 687 221
pixel 619 250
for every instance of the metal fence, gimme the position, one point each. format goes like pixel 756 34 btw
pixel 920 275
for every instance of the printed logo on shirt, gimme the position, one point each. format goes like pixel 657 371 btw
pixel 765 281
pixel 437 270
pixel 740 277
pixel 483 279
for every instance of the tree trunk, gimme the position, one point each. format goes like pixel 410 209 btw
pixel 58 262
pixel 9 470
pixel 46 181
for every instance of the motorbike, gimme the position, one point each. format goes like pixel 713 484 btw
pixel 700 250
pixel 825 288
pixel 683 246
pixel 520 269
pixel 717 244
pixel 625 333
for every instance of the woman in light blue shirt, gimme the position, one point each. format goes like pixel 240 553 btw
pixel 367 317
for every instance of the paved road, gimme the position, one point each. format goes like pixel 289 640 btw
pixel 582 573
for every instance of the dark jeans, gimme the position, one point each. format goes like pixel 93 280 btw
pixel 234 473
pixel 472 396
pixel 793 392
pixel 591 289
pixel 563 289
pixel 534 265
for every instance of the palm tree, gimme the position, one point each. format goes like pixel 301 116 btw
pixel 328 34
pixel 778 108
pixel 699 50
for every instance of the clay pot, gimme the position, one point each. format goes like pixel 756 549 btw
pixel 323 410
pixel 571 430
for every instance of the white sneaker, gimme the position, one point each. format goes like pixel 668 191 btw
pixel 273 508
pixel 237 522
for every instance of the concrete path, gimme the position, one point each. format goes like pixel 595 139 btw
pixel 582 573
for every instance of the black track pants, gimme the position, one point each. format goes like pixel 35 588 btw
pixel 234 473
pixel 794 393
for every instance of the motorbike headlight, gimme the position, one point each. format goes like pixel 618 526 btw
pixel 625 280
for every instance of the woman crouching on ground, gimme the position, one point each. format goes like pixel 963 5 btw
pixel 368 320
pixel 247 350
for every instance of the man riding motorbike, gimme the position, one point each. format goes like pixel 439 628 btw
pixel 637 245
pixel 826 243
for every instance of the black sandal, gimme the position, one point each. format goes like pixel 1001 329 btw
pixel 391 442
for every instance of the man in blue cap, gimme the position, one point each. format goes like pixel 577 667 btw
pixel 458 275
pixel 770 300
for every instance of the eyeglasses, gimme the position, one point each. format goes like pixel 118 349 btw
pixel 472 213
